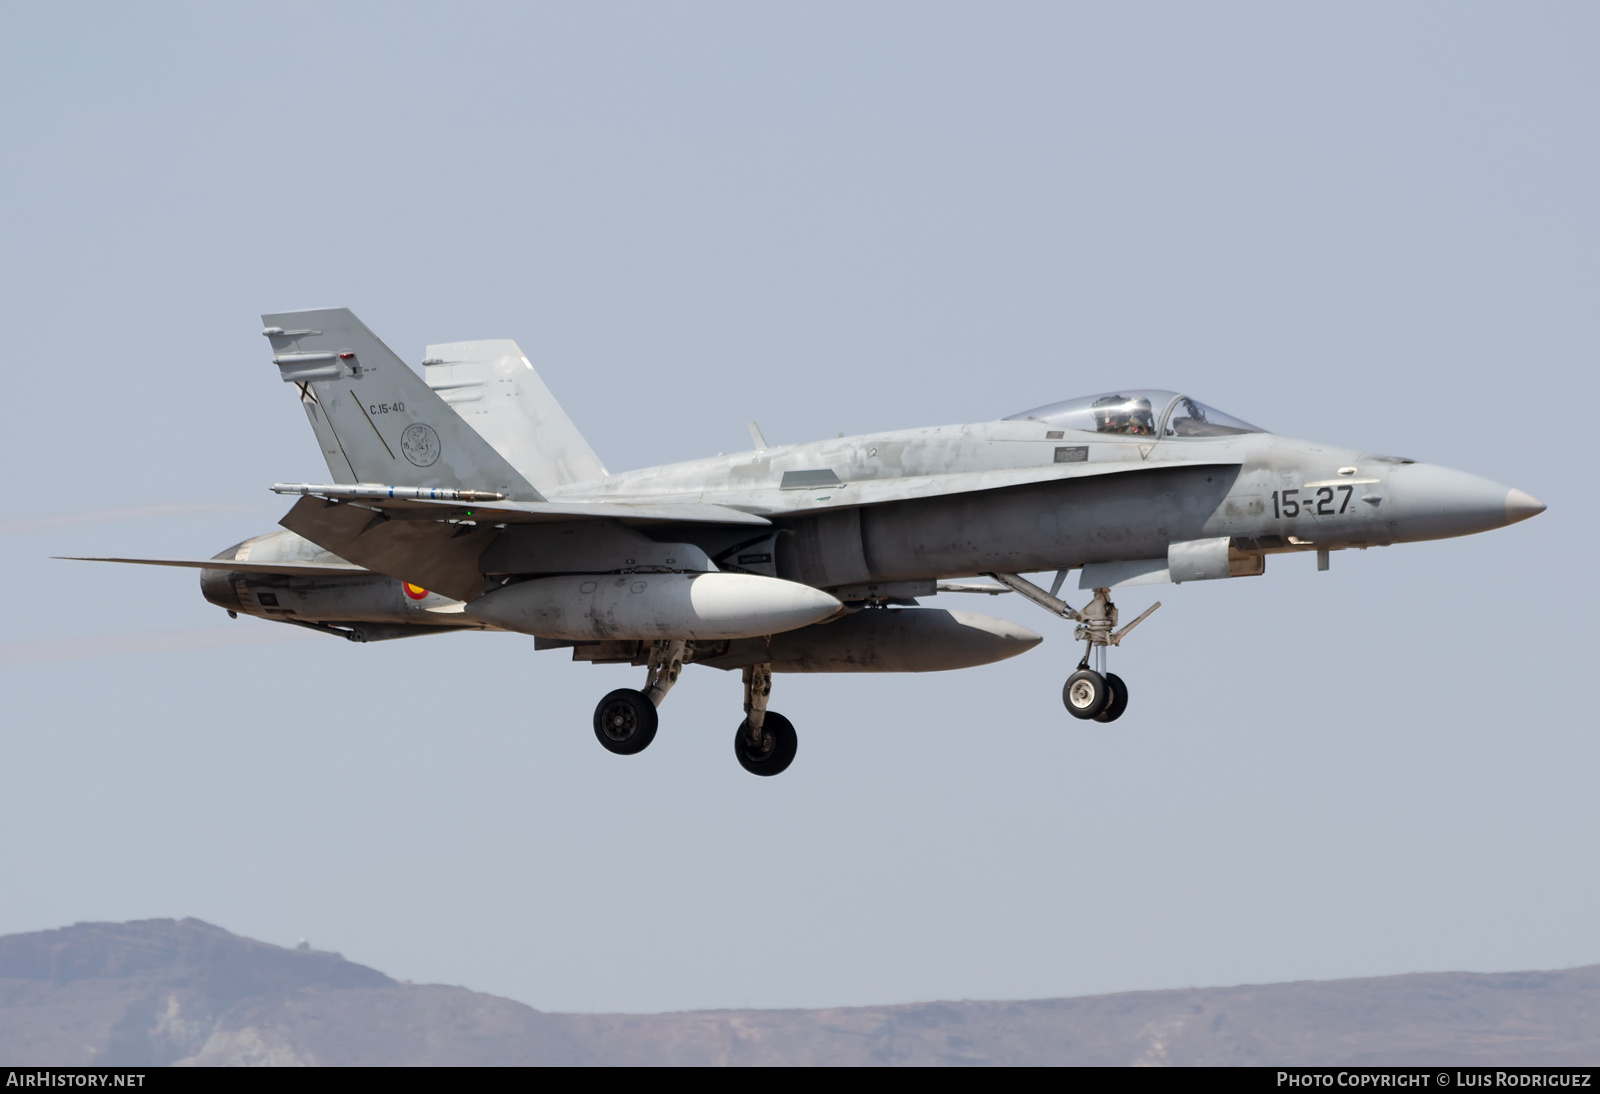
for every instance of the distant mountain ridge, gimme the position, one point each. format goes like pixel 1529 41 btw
pixel 163 991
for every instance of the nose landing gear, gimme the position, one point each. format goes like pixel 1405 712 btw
pixel 1088 694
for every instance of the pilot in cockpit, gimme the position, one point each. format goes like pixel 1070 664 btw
pixel 1119 414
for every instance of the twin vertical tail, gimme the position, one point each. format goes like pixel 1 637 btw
pixel 493 386
pixel 375 419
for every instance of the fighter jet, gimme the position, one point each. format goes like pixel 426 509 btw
pixel 465 498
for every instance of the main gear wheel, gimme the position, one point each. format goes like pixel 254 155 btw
pixel 625 722
pixel 768 750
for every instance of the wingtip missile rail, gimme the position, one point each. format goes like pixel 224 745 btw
pixel 357 491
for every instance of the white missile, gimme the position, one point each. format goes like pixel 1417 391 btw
pixel 377 490
pixel 584 607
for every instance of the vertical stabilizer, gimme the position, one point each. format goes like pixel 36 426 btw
pixel 376 420
pixel 495 389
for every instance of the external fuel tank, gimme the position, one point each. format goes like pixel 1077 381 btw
pixel 701 606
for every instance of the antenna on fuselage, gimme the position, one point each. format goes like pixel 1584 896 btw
pixel 755 435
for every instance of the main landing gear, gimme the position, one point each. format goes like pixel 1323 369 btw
pixel 625 721
pixel 1089 693
pixel 766 742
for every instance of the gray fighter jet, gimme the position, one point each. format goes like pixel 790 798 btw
pixel 466 498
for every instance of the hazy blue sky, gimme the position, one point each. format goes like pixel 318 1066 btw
pixel 1370 224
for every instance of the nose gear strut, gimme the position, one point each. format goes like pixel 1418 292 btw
pixel 1089 692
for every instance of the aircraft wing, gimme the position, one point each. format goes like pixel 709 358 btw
pixel 454 504
pixel 692 512
pixel 525 512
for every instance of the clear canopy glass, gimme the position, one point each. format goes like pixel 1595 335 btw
pixel 1137 412
pixel 1188 418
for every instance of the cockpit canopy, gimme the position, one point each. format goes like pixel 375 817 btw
pixel 1138 413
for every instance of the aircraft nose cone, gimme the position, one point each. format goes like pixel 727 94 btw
pixel 1433 502
pixel 1521 506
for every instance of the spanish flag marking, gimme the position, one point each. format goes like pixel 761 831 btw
pixel 415 592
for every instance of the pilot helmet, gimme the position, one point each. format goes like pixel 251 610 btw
pixel 1122 414
pixel 1141 416
pixel 1110 413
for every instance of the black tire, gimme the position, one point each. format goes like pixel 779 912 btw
pixel 1118 701
pixel 625 722
pixel 775 753
pixel 1085 693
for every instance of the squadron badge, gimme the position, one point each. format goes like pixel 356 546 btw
pixel 420 444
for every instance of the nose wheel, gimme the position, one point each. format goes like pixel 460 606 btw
pixel 1116 701
pixel 1085 693
pixel 1090 695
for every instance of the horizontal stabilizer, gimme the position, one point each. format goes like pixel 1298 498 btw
pixel 286 569
pixel 434 554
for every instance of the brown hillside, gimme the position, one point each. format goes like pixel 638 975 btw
pixel 184 992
